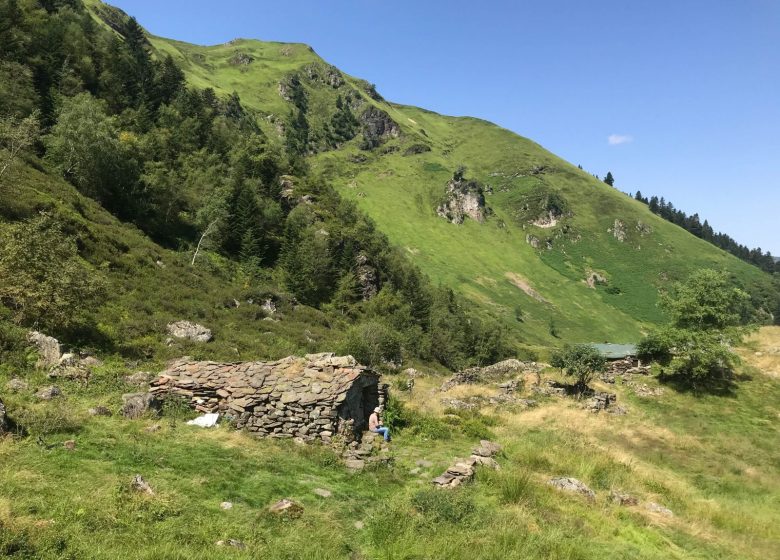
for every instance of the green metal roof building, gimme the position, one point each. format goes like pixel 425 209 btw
pixel 615 351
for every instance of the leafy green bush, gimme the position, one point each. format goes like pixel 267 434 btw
pixel 581 361
pixel 45 282
pixel 372 343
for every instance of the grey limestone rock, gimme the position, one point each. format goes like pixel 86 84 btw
pixel 568 484
pixel 189 331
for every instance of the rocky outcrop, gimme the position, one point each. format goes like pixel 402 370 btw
pixel 491 373
pixel 619 230
pixel 323 74
pixel 190 331
pixel 415 149
pixel 367 277
pixel 377 127
pixel 462 199
pixel 48 348
pixel 643 229
pixel 241 59
pixel 315 397
pixel 594 278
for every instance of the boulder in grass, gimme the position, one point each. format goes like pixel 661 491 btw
pixel 568 484
pixel 16 385
pixel 190 331
pixel 622 499
pixel 49 393
pixel 235 543
pixel 49 351
pixel 658 508
pixel 286 508
pixel 137 404
pixel 140 485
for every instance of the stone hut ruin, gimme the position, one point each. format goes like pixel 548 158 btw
pixel 315 397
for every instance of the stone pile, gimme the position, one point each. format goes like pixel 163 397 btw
pixel 623 368
pixel 462 470
pixel 600 401
pixel 551 387
pixel 316 397
pixel 372 449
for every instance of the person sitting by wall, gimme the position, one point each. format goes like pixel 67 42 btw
pixel 375 424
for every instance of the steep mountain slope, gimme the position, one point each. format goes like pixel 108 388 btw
pixel 560 254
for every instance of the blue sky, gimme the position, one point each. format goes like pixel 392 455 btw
pixel 676 98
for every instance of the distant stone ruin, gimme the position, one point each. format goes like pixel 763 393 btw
pixel 314 398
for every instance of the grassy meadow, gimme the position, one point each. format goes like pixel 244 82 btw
pixel 712 460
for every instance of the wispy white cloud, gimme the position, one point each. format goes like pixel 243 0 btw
pixel 617 139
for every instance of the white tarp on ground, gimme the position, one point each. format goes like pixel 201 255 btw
pixel 205 421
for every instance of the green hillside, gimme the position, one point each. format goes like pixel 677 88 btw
pixel 492 263
pixel 256 190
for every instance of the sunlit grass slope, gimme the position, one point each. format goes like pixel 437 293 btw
pixel 712 460
pixel 540 293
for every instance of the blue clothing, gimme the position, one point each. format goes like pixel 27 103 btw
pixel 384 431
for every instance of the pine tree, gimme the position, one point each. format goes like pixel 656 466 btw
pixel 609 179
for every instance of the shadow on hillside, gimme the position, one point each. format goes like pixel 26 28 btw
pixel 723 386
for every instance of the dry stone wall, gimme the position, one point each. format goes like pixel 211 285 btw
pixel 315 397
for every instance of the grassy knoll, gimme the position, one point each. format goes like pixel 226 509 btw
pixel 711 460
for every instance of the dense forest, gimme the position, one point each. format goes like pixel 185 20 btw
pixel 195 172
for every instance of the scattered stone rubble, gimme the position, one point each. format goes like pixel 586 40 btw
pixel 190 331
pixel 643 390
pixel 316 397
pixel 462 470
pixel 491 373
